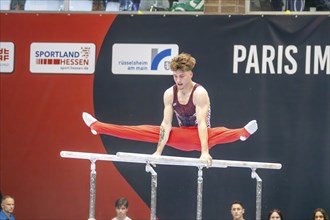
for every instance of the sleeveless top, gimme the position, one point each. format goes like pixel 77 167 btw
pixel 186 114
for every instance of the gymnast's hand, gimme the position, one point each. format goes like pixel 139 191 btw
pixel 206 156
pixel 157 153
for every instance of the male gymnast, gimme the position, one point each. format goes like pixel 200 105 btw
pixel 190 103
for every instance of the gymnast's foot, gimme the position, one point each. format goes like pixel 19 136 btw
pixel 250 127
pixel 88 119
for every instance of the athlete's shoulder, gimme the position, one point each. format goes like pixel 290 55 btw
pixel 169 91
pixel 168 95
pixel 200 90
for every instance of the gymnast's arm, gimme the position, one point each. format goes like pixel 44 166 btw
pixel 202 104
pixel 166 125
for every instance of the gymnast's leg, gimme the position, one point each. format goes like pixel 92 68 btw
pixel 183 138
pixel 221 135
pixel 146 133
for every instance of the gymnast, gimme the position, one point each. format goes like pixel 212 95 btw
pixel 190 103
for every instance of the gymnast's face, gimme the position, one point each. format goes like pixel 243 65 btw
pixel 182 78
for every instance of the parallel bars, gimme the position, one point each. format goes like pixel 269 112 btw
pixel 169 160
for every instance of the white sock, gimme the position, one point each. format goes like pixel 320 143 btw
pixel 251 127
pixel 88 119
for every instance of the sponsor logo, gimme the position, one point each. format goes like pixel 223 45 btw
pixel 6 57
pixel 143 59
pixel 75 58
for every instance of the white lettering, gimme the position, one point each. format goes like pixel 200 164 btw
pixel 294 67
pixel 320 60
pixel 252 61
pixel 268 56
pixel 308 60
pixel 239 56
pixel 266 60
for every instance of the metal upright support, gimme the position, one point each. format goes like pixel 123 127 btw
pixel 199 193
pixel 92 191
pixel 254 175
pixel 174 161
pixel 153 201
pixel 66 5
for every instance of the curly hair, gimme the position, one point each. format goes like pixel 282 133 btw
pixel 183 61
